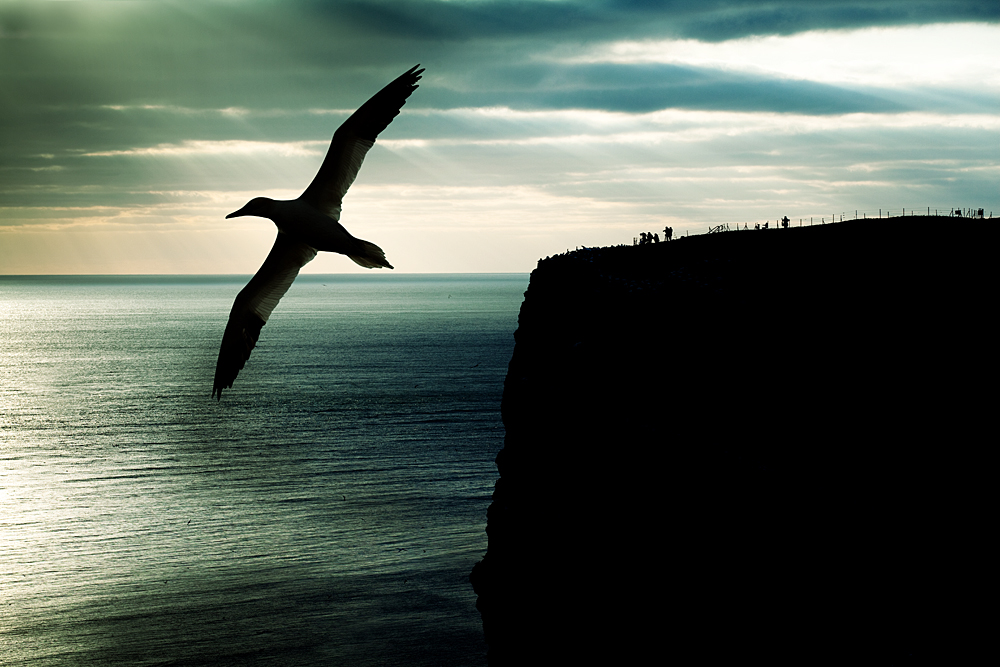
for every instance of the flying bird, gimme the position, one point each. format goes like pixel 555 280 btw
pixel 307 225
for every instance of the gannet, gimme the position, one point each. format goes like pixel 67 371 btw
pixel 307 225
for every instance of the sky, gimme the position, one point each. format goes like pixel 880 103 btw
pixel 129 129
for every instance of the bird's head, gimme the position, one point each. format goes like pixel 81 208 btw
pixel 261 207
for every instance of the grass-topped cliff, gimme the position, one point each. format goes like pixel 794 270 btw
pixel 751 445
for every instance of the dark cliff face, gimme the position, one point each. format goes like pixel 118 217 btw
pixel 741 446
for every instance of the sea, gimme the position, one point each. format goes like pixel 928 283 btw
pixel 326 511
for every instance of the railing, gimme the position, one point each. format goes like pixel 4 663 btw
pixel 959 211
pixel 859 214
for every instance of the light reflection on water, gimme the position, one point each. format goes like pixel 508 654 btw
pixel 326 511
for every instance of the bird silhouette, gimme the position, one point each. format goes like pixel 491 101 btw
pixel 309 224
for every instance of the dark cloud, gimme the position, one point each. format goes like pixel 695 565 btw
pixel 650 87
pixel 458 21
pixel 426 20
pixel 787 18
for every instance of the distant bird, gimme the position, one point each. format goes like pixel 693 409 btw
pixel 309 224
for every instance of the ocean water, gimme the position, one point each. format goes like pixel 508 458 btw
pixel 327 511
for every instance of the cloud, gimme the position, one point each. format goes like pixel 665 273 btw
pixel 216 148
pixel 733 20
pixel 645 87
pixel 559 122
pixel 429 20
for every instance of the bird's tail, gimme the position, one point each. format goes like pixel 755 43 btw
pixel 369 255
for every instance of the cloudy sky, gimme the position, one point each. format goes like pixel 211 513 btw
pixel 129 129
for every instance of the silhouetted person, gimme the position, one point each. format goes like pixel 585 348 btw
pixel 656 237
pixel 784 222
pixel 765 225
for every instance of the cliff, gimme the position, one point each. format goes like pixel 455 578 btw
pixel 742 446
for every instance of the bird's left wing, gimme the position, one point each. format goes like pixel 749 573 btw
pixel 353 139
pixel 254 304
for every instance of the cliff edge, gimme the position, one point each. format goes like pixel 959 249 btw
pixel 751 445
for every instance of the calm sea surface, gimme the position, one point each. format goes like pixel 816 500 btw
pixel 326 512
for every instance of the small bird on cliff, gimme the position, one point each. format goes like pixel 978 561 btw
pixel 307 225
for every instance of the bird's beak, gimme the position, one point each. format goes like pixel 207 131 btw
pixel 236 214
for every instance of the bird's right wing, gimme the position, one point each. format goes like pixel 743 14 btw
pixel 254 304
pixel 353 139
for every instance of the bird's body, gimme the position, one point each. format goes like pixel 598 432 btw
pixel 303 222
pixel 307 225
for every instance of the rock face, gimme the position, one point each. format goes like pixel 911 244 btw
pixel 743 446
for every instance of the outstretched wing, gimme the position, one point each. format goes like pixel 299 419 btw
pixel 352 140
pixel 254 304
